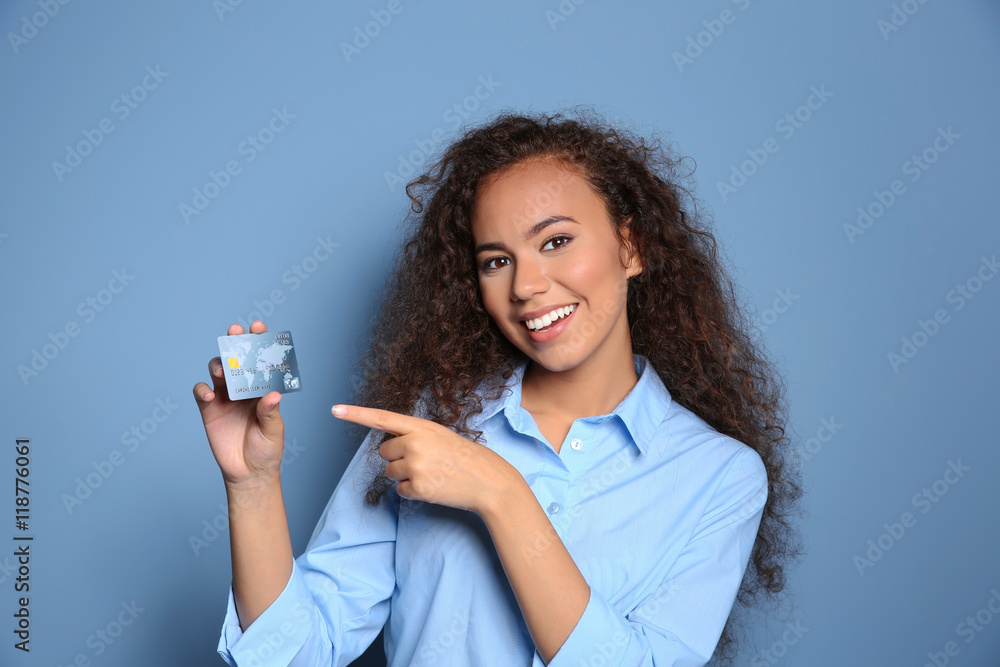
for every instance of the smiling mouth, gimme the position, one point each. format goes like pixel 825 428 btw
pixel 546 322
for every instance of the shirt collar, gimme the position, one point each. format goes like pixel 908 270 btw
pixel 642 410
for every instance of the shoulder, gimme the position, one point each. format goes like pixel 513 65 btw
pixel 685 438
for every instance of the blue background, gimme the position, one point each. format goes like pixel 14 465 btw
pixel 848 302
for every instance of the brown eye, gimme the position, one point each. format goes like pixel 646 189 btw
pixel 561 237
pixel 488 268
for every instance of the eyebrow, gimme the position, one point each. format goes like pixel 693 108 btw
pixel 535 230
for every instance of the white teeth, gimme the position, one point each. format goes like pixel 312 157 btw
pixel 549 318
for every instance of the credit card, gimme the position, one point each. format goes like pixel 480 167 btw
pixel 256 364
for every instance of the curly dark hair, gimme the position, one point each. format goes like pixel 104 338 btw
pixel 434 339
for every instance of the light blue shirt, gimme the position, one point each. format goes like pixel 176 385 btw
pixel 658 510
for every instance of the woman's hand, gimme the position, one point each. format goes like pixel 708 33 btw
pixel 432 463
pixel 247 437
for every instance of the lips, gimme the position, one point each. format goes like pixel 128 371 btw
pixel 551 313
pixel 554 329
pixel 544 317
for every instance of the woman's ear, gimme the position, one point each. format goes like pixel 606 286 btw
pixel 633 261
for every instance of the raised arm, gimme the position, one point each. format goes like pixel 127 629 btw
pixel 247 439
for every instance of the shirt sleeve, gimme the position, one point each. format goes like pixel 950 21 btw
pixel 680 623
pixel 338 594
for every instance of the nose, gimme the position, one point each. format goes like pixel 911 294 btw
pixel 529 279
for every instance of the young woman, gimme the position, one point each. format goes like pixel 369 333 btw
pixel 575 452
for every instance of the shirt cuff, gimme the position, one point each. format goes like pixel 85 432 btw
pixel 603 636
pixel 277 635
pixel 601 631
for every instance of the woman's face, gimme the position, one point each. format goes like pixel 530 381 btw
pixel 544 242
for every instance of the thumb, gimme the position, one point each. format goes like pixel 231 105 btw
pixel 268 414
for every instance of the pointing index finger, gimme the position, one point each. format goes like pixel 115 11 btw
pixel 383 420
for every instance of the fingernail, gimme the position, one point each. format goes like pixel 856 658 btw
pixel 339 411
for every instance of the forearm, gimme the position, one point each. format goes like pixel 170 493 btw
pixel 550 589
pixel 261 547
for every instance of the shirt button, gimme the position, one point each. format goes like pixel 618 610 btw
pixel 553 508
pixel 577 444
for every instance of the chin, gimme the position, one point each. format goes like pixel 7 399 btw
pixel 554 360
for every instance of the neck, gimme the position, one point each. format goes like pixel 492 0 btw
pixel 595 387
